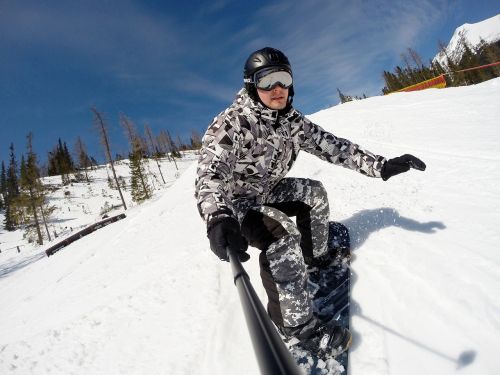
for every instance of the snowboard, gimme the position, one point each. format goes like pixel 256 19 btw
pixel 330 289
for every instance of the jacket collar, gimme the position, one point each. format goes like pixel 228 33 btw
pixel 260 110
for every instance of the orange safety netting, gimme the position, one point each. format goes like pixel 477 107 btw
pixel 439 82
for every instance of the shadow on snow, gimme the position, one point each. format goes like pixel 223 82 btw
pixel 366 222
pixel 361 226
pixel 15 265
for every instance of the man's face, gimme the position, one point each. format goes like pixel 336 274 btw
pixel 275 98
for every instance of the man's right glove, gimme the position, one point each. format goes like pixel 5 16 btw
pixel 401 164
pixel 225 233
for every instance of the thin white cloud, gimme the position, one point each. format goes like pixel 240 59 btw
pixel 212 7
pixel 196 85
pixel 334 43
pixel 330 43
pixel 109 36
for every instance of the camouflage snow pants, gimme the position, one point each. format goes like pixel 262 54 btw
pixel 288 246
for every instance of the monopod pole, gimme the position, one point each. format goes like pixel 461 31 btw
pixel 272 355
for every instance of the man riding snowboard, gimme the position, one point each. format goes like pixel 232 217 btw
pixel 245 199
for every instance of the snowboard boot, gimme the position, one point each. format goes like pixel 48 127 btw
pixel 318 337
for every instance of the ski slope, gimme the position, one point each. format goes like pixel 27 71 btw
pixel 146 295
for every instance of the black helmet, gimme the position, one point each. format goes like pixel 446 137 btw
pixel 264 58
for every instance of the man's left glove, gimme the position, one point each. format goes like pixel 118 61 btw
pixel 225 233
pixel 401 164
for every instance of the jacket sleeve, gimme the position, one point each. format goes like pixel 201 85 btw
pixel 315 140
pixel 214 181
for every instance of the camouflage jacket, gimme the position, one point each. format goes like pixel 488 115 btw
pixel 249 148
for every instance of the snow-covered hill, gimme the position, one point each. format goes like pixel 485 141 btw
pixel 487 30
pixel 80 203
pixel 146 295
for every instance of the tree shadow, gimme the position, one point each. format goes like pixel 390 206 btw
pixel 59 221
pixel 464 359
pixel 15 265
pixel 362 224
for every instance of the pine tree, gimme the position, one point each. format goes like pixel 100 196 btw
pixel 68 159
pixel 39 191
pixel 12 192
pixel 3 186
pixel 436 68
pixel 3 179
pixel 84 161
pixel 7 222
pixel 12 180
pixel 345 98
pixel 61 162
pixel 94 163
pixel 31 188
pixel 65 163
pixel 52 166
pixel 139 186
pixel 391 82
pixel 31 202
pixel 342 97
pixel 489 53
pixel 455 79
pixel 469 59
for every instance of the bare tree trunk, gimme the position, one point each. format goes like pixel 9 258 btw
pixel 167 144
pixel 181 145
pixel 144 185
pixel 45 223
pixel 173 158
pixel 35 215
pixel 172 148
pixel 154 149
pixel 83 158
pixel 104 138
pixel 159 169
pixel 129 129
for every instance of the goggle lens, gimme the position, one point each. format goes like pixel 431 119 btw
pixel 267 80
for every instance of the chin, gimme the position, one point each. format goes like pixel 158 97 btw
pixel 278 106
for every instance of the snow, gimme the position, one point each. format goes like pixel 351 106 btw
pixel 79 204
pixel 146 295
pixel 488 30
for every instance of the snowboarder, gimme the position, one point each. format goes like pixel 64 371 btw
pixel 245 199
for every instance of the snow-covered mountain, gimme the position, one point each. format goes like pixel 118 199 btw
pixel 487 30
pixel 146 295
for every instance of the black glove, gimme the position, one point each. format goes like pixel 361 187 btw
pixel 401 164
pixel 225 233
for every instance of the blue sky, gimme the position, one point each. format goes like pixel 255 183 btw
pixel 174 65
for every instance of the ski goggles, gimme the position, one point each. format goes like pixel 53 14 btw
pixel 267 79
